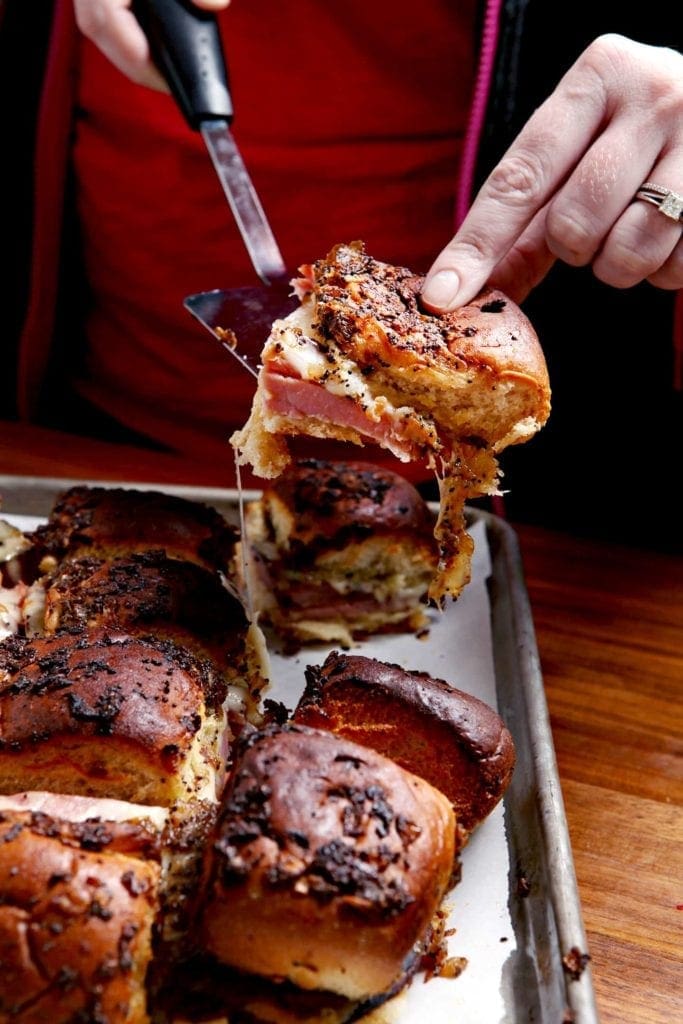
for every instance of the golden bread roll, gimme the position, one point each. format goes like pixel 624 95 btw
pixel 340 550
pixel 453 740
pixel 113 716
pixel 361 361
pixel 110 522
pixel 171 840
pixel 150 593
pixel 328 863
pixel 78 905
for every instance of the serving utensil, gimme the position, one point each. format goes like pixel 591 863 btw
pixel 186 46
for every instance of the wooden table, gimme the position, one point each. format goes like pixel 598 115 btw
pixel 609 625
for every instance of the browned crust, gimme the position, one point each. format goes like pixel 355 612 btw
pixel 346 548
pixel 328 863
pixel 42 665
pixel 104 709
pixel 76 915
pixel 372 309
pixel 452 739
pixel 340 500
pixel 148 592
pixel 101 519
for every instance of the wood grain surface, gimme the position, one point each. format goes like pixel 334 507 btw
pixel 609 626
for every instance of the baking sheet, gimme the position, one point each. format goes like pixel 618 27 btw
pixel 515 912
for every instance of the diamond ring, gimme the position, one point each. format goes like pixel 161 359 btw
pixel 667 201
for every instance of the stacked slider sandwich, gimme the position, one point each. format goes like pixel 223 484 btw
pixel 337 551
pixel 361 361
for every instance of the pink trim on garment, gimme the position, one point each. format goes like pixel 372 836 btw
pixel 482 89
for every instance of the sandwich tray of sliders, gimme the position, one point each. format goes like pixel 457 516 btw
pixel 305 941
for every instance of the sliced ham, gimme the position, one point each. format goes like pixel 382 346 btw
pixel 301 399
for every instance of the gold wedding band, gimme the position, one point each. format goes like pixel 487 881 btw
pixel 667 201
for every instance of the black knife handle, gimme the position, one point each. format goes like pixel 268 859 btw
pixel 186 47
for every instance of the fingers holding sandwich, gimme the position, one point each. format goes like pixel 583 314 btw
pixel 566 187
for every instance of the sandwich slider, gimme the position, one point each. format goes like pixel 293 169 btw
pixel 452 739
pixel 98 714
pixel 360 360
pixel 327 866
pixel 79 902
pixel 148 593
pixel 114 521
pixel 340 550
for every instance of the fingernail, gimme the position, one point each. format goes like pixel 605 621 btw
pixel 441 289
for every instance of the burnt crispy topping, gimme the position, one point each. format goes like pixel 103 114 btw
pixel 322 485
pixel 360 296
pixel 337 870
pixel 355 848
pixel 144 588
pixel 333 504
pixel 42 665
pixel 82 516
pixel 102 713
pixel 136 838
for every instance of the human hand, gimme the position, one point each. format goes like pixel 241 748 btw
pixel 565 188
pixel 114 29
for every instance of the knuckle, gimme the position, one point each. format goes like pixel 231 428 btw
pixel 666 98
pixel 570 235
pixel 655 73
pixel 609 56
pixel 471 248
pixel 520 177
pixel 669 280
pixel 612 274
pixel 622 265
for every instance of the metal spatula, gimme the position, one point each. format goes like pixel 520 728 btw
pixel 186 46
pixel 241 318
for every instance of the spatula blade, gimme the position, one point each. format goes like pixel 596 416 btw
pixel 241 318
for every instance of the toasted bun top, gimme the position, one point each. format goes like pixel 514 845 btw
pixel 77 905
pixel 143 589
pixel 471 718
pixel 144 691
pixel 126 519
pixel 324 498
pixel 449 737
pixel 372 310
pixel 311 813
pixel 136 837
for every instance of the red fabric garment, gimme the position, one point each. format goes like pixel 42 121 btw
pixel 350 119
